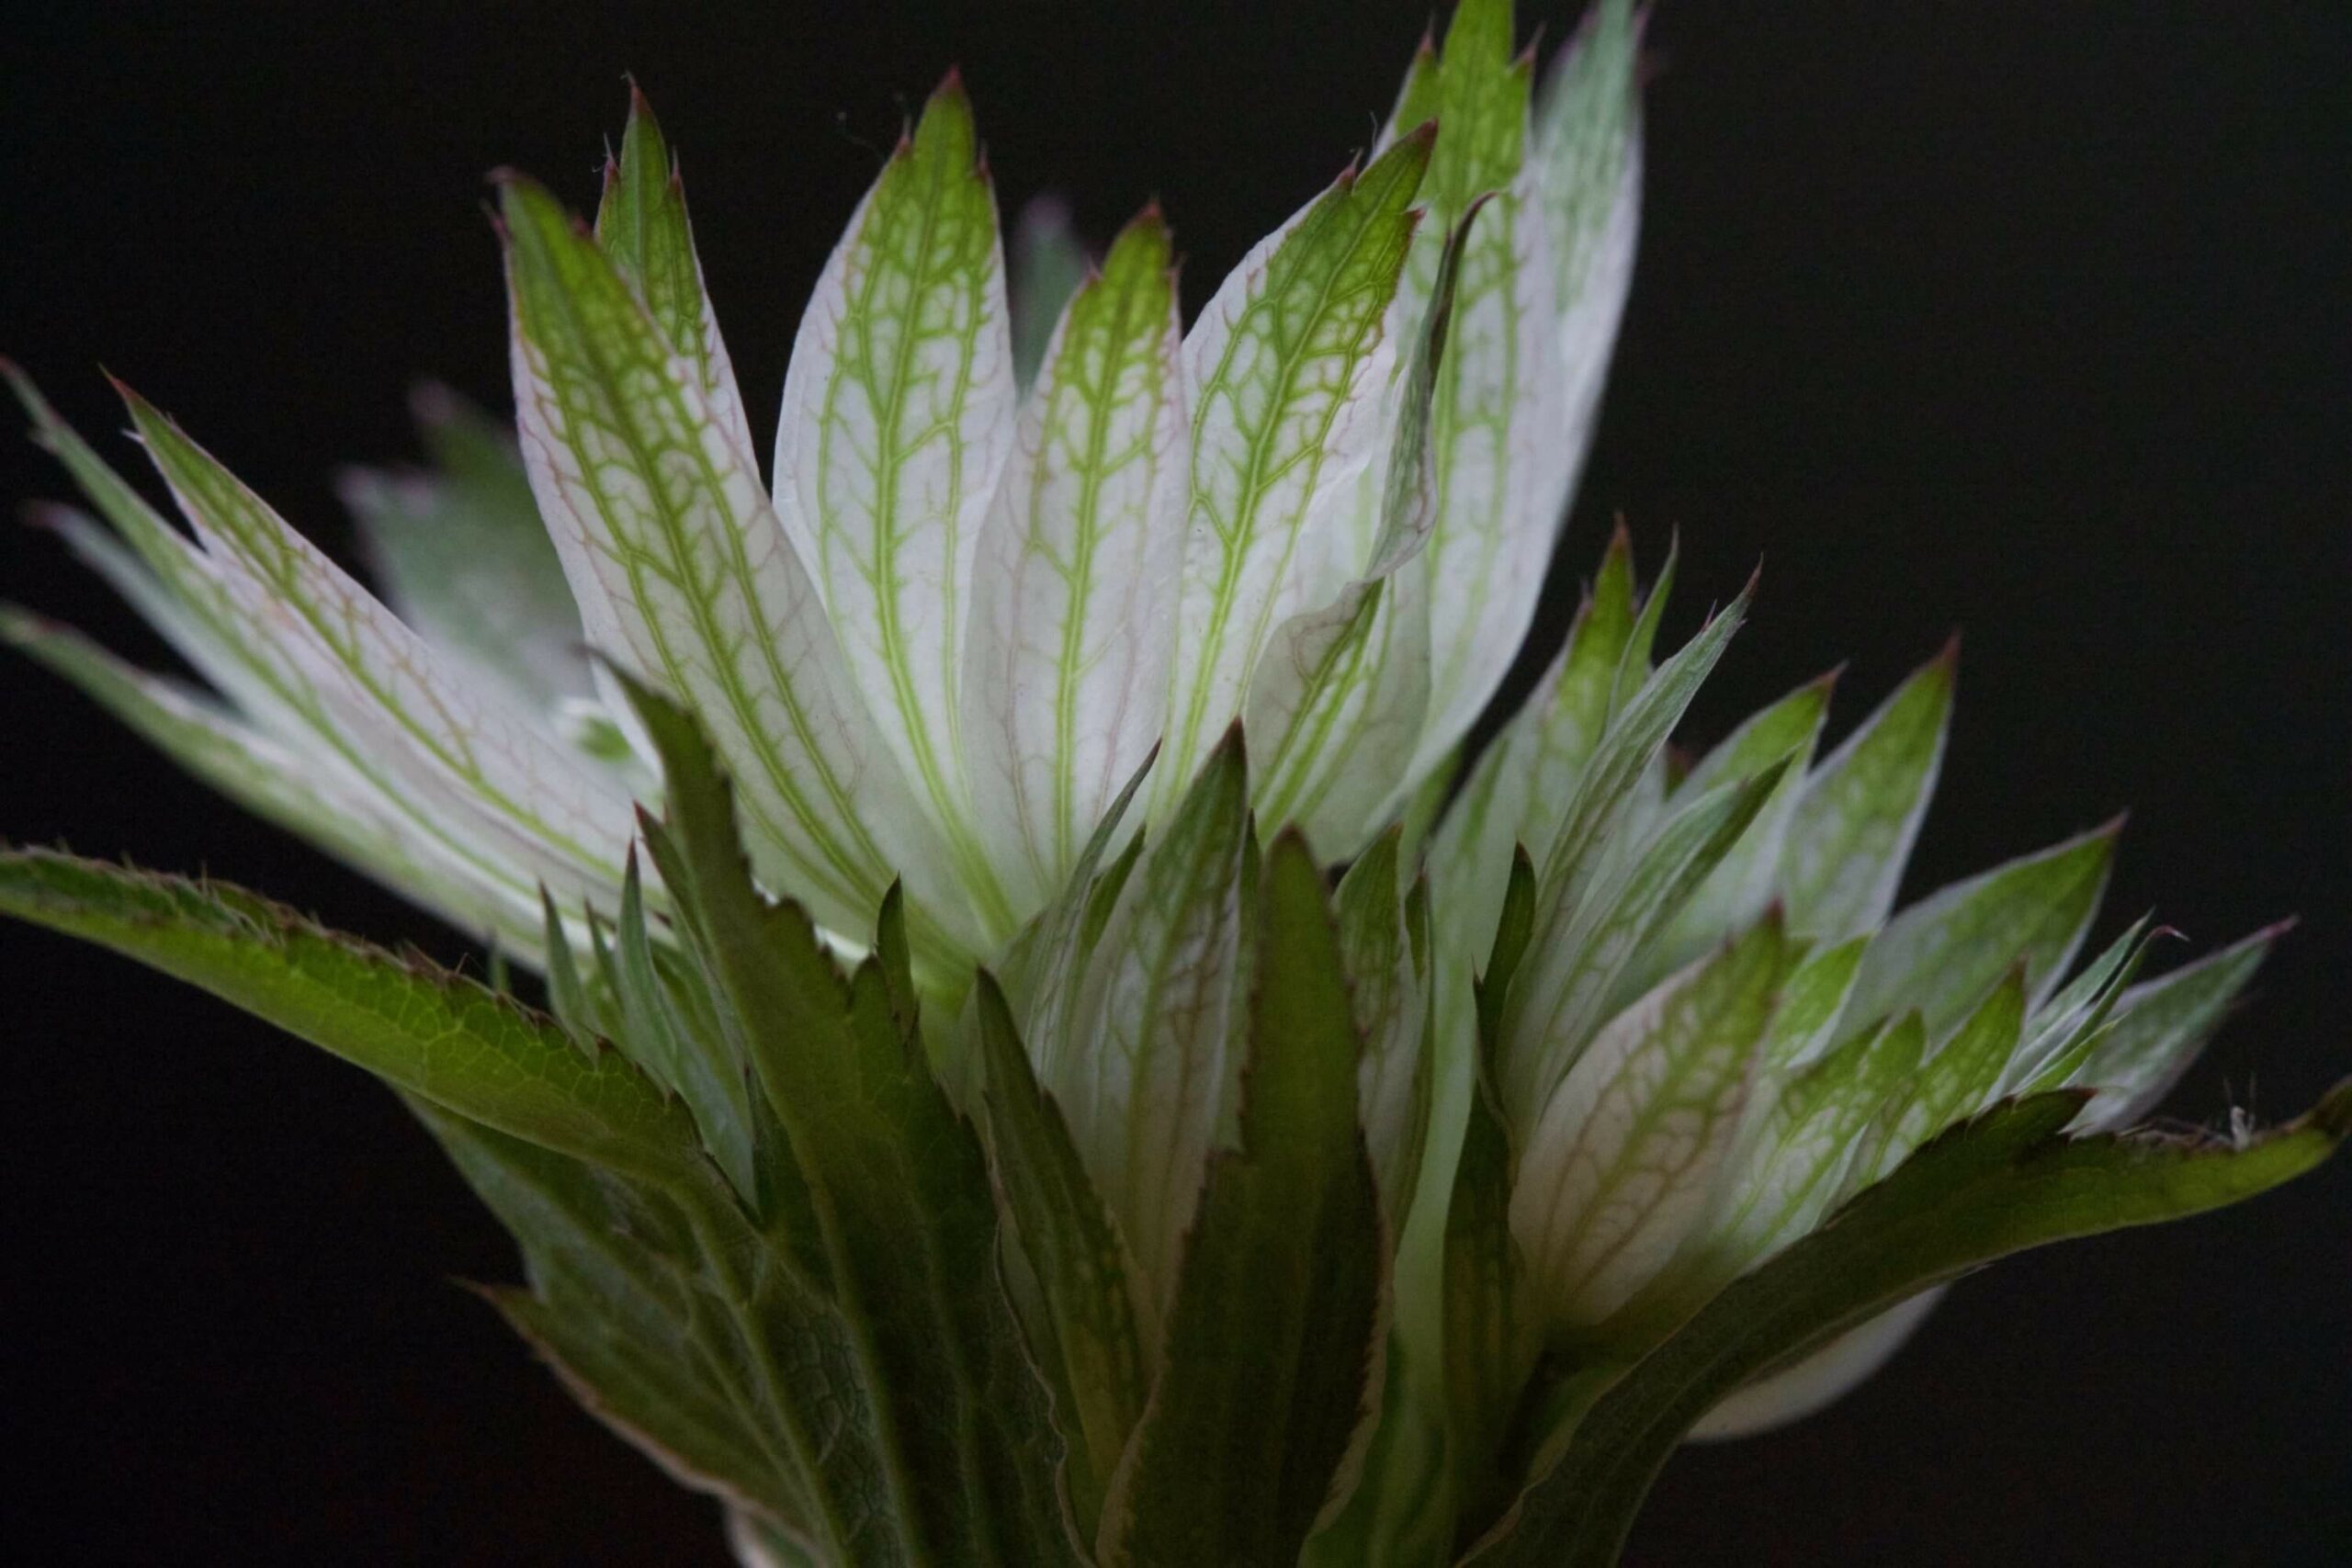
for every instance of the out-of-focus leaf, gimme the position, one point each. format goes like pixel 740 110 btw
pixel 1047 264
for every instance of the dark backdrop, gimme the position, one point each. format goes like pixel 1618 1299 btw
pixel 2028 319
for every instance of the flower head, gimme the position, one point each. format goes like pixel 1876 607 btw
pixel 983 766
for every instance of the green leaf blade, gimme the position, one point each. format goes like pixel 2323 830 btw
pixel 1273 1332
pixel 898 1188
pixel 435 1035
pixel 1078 1257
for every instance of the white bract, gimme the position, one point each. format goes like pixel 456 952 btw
pixel 1293 550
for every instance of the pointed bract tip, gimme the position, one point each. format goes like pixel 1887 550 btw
pixel 140 409
pixel 640 105
pixel 1290 840
pixel 1826 682
pixel 1621 539
pixel 950 86
pixel 2277 928
pixel 1947 658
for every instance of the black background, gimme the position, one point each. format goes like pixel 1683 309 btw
pixel 2027 319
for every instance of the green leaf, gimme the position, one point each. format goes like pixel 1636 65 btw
pixel 1276 1318
pixel 613 1272
pixel 1814 1004
pixel 1287 379
pixel 1384 941
pixel 432 1035
pixel 2067 1027
pixel 2004 1182
pixel 1065 665
pixel 1494 1328
pixel 897 1183
pixel 710 1344
pixel 1639 726
pixel 898 421
pixel 682 569
pixel 1042 969
pixel 1514 929
pixel 1860 811
pixel 1481 107
pixel 1401 1513
pixel 1943 953
pixel 685 1052
pixel 1088 1337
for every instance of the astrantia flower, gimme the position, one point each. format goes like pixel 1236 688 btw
pixel 1055 1049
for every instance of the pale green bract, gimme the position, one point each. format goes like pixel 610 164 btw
pixel 1056 1049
